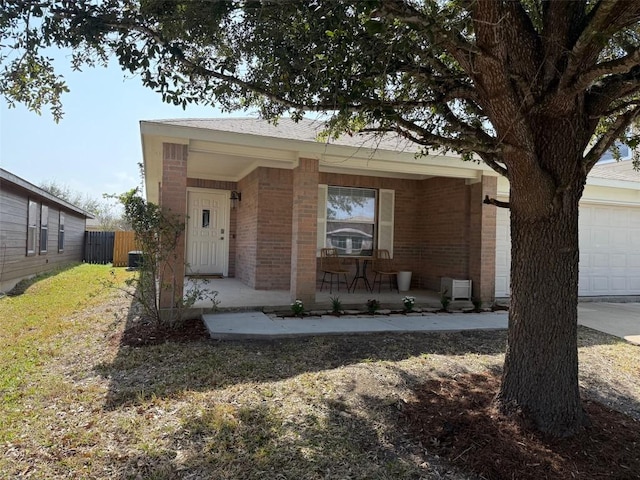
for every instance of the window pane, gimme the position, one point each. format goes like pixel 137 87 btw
pixel 61 233
pixel 32 226
pixel 351 205
pixel 206 218
pixel 44 228
pixel 351 216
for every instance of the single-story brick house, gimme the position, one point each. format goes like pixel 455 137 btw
pixel 38 231
pixel 262 199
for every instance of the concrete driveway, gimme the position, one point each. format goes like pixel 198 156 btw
pixel 619 319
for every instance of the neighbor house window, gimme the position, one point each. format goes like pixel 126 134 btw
pixel 32 227
pixel 355 220
pixel 44 228
pixel 61 233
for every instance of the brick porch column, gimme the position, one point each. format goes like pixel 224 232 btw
pixel 304 231
pixel 482 239
pixel 173 197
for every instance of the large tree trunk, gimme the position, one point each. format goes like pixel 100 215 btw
pixel 540 374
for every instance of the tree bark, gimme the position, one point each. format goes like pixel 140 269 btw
pixel 540 375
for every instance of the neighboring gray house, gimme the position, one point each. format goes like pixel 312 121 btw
pixel 38 231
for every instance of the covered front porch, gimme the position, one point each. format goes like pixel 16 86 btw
pixel 260 206
pixel 234 294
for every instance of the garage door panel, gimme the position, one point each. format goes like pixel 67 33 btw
pixel 620 238
pixel 599 238
pixel 609 239
pixel 619 284
pixel 600 260
pixel 618 260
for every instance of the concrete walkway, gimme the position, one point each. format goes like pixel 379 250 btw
pixel 259 325
pixel 619 319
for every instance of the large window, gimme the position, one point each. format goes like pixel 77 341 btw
pixel 351 219
pixel 32 227
pixel 61 233
pixel 355 220
pixel 44 228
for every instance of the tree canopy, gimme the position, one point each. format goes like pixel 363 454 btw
pixel 537 89
pixel 425 69
pixel 106 211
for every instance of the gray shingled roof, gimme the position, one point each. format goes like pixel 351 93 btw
pixel 622 170
pixel 9 177
pixel 306 130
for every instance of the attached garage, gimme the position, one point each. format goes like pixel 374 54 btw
pixel 609 250
pixel 609 226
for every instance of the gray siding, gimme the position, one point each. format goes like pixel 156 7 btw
pixel 15 264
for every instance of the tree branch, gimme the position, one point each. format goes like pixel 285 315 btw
pixel 491 161
pixel 497 203
pixel 422 136
pixel 605 142
pixel 618 66
pixel 612 89
pixel 405 13
pixel 604 18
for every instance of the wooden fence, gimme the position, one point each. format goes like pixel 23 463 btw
pixel 98 247
pixel 124 243
pixel 108 247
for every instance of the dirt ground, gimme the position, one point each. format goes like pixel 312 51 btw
pixel 454 418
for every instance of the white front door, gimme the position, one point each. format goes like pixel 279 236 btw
pixel 208 233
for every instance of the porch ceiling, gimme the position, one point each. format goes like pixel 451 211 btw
pixel 230 156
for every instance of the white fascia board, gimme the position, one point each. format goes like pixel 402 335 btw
pixel 616 187
pixel 609 182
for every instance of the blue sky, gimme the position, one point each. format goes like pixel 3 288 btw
pixel 96 147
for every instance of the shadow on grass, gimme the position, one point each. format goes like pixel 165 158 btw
pixel 169 368
pixel 23 285
pixel 257 442
pixel 200 364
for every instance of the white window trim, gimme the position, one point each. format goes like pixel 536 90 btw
pixel 44 228
pixel 32 227
pixel 384 225
pixel 61 220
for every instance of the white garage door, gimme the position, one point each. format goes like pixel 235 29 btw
pixel 609 251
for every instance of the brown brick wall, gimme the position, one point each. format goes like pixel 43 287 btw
pixel 444 232
pixel 407 226
pixel 263 229
pixel 482 238
pixel 273 254
pixel 304 231
pixel 247 229
pixel 173 197
pixel 440 228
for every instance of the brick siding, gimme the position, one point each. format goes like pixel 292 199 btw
pixel 173 197
pixel 304 230
pixel 441 227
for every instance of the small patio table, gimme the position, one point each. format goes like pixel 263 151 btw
pixel 361 273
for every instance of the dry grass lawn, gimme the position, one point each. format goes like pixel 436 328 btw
pixel 89 405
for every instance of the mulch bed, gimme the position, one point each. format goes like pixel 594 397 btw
pixel 145 333
pixel 455 418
